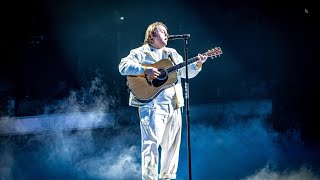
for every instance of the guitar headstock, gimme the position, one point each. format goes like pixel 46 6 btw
pixel 214 52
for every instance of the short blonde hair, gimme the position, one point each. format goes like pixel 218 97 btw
pixel 151 31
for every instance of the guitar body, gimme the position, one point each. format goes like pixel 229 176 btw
pixel 144 89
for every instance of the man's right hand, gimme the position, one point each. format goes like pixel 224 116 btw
pixel 152 72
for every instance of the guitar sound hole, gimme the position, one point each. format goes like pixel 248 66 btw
pixel 163 74
pixel 161 79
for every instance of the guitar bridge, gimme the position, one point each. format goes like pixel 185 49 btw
pixel 148 80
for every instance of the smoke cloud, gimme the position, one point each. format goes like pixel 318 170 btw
pixel 227 142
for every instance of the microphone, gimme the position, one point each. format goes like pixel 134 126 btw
pixel 182 36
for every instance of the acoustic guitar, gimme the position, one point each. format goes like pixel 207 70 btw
pixel 146 89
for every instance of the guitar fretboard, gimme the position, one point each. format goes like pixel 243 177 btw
pixel 214 52
pixel 181 65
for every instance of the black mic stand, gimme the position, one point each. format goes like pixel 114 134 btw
pixel 187 105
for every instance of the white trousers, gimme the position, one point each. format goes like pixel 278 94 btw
pixel 160 126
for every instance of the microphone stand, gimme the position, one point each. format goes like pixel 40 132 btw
pixel 187 105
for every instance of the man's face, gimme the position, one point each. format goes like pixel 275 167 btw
pixel 161 37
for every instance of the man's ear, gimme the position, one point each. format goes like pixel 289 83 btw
pixel 153 34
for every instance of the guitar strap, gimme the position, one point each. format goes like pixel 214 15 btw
pixel 170 58
pixel 176 102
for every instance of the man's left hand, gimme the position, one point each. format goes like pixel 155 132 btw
pixel 201 60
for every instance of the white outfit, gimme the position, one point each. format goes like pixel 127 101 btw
pixel 160 119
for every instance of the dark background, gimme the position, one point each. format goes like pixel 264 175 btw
pixel 50 48
pixel 63 56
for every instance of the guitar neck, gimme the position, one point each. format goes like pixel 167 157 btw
pixel 181 65
pixel 210 53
